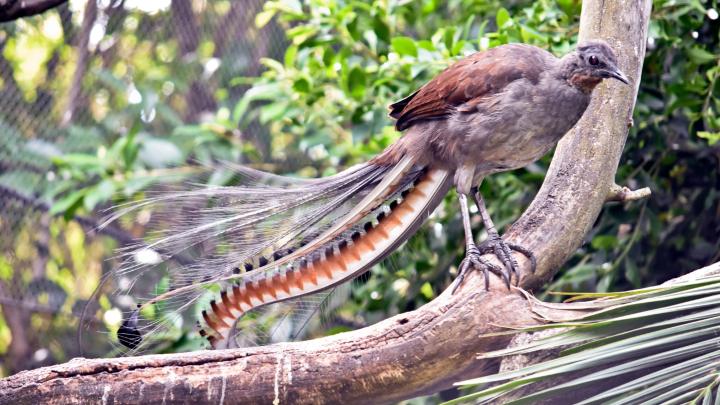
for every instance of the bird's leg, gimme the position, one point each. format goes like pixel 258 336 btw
pixel 473 257
pixel 495 244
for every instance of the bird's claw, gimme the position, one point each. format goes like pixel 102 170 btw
pixel 474 260
pixel 503 251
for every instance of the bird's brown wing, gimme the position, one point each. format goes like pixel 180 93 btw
pixel 467 82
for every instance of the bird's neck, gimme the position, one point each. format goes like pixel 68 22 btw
pixel 566 65
pixel 584 83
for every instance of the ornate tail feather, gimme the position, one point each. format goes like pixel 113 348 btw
pixel 256 236
pixel 343 258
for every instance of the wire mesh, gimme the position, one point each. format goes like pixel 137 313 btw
pixel 70 79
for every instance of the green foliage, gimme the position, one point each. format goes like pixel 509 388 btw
pixel 348 60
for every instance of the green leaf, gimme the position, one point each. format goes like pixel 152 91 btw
pixel 290 55
pixel 130 148
pixel 530 34
pixel 357 81
pixel 273 111
pixel 268 91
pixel 272 64
pixel 353 29
pixel 604 242
pixel 426 45
pixel 68 204
pixel 570 7
pixel 405 46
pixel 79 160
pixel 301 85
pixel 427 291
pixel 302 33
pixel 502 18
pixel 264 17
pixel 449 38
pixel 712 137
pixel 381 29
pixel 328 57
pixel 99 194
pixel 700 56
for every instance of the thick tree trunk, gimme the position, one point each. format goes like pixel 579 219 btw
pixel 411 354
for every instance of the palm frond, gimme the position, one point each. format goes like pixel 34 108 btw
pixel 650 346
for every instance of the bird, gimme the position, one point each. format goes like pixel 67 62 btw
pixel 279 238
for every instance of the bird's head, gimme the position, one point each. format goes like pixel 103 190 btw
pixel 592 62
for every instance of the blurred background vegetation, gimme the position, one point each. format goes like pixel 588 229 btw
pixel 103 101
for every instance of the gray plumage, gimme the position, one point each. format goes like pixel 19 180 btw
pixel 500 109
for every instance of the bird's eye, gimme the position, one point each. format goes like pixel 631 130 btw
pixel 593 60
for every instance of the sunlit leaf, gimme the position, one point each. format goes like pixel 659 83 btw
pixel 503 19
pixel 404 46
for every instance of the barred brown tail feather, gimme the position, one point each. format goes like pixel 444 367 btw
pixel 251 232
pixel 345 258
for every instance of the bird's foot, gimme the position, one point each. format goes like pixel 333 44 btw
pixel 474 261
pixel 504 252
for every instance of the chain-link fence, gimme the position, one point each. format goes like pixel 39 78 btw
pixel 72 81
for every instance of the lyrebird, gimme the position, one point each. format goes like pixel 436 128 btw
pixel 492 111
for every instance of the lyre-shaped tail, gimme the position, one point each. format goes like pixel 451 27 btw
pixel 343 257
pixel 264 243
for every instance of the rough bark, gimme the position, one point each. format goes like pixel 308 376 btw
pixel 13 9
pixel 415 353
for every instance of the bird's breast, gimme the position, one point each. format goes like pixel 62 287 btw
pixel 518 126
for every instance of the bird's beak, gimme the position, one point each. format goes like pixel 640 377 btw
pixel 615 73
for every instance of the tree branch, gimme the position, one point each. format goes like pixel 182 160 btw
pixel 623 194
pixel 415 353
pixel 13 9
